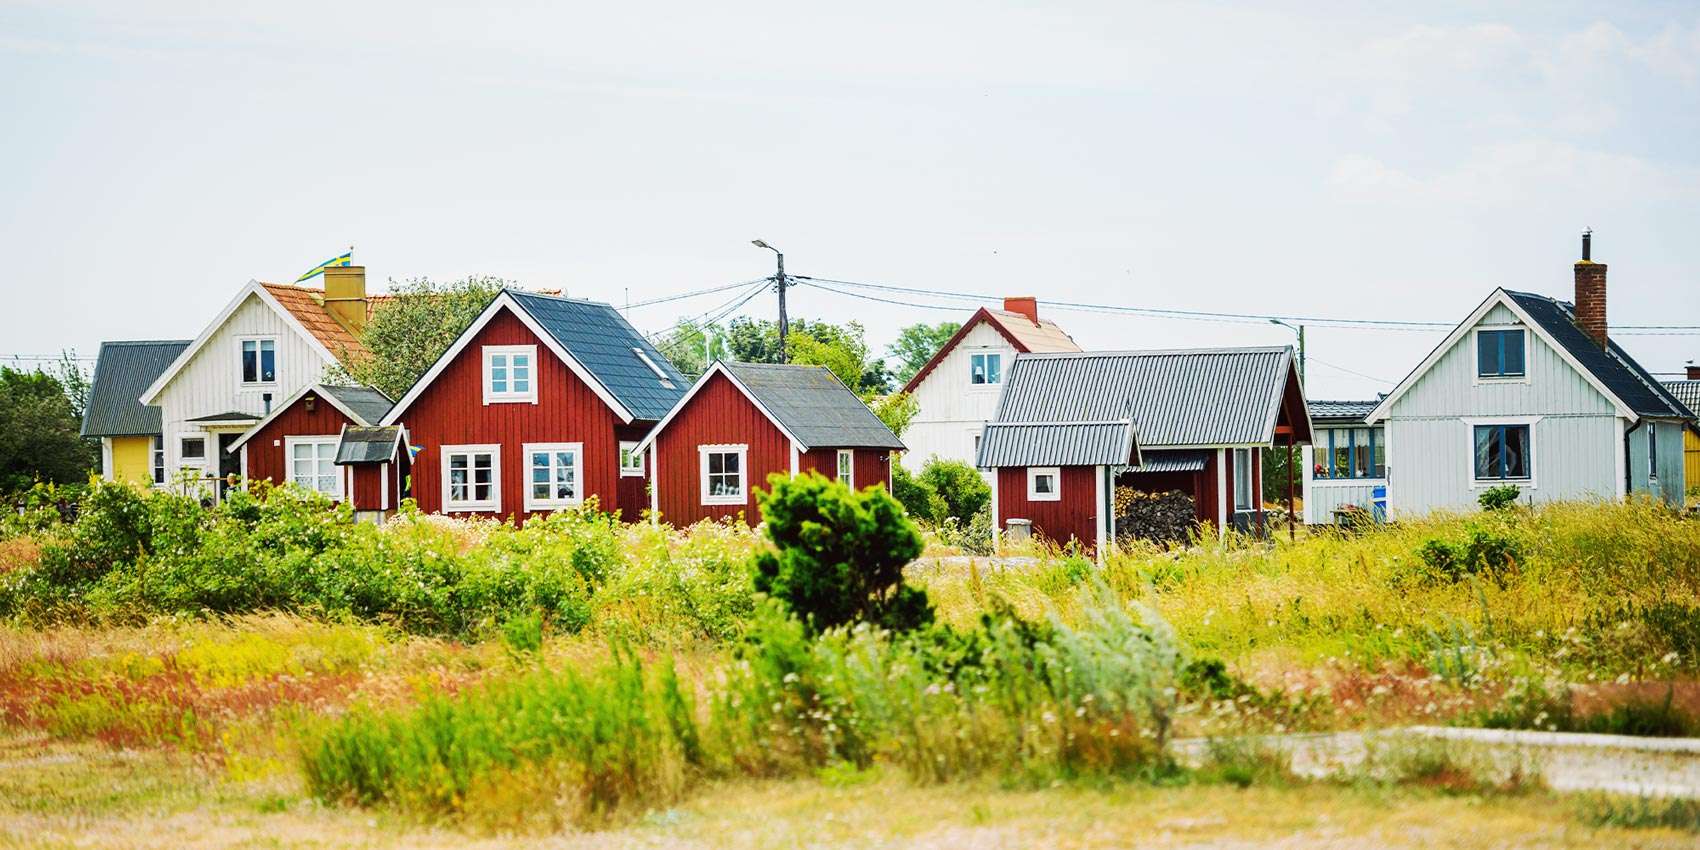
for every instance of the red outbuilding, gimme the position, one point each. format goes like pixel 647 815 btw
pixel 297 442
pixel 538 405
pixel 742 422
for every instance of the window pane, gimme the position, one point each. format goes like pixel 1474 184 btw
pixel 732 462
pixel 250 362
pixel 1380 437
pixel 1360 453
pixel 1487 353
pixel 1342 455
pixel 1513 343
pixel 977 369
pixel 194 448
pixel 268 360
pixel 1516 451
pixel 540 487
pixel 994 368
pixel 1487 454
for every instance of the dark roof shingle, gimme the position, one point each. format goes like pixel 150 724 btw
pixel 367 403
pixel 813 405
pixel 123 371
pixel 1611 366
pixel 361 444
pixel 1353 411
pixel 601 339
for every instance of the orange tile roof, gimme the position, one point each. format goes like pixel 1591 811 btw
pixel 308 308
pixel 1038 337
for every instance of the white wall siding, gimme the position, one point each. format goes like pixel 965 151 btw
pixel 209 383
pixel 951 412
pixel 1430 442
pixel 1322 497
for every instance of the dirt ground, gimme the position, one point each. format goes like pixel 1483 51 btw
pixel 54 795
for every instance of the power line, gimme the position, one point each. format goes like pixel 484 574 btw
pixel 694 293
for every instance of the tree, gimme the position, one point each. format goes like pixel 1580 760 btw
pixel 840 348
pixel 691 348
pixel 1279 466
pixel 916 344
pixel 895 410
pixel 40 432
pixel 839 555
pixel 419 322
pixel 964 491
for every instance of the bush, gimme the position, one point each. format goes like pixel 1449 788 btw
pixel 1162 518
pixel 975 538
pixel 1485 552
pixel 920 501
pixel 1499 498
pixel 839 554
pixel 960 486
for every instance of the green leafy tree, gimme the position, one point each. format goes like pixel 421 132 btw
pixel 40 432
pixel 896 410
pixel 1280 466
pixel 961 487
pixel 918 497
pixel 692 347
pixel 916 344
pixel 413 328
pixel 840 348
pixel 839 555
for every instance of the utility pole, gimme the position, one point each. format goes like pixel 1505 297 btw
pixel 779 285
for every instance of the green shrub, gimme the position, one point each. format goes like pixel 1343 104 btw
pixel 839 554
pixel 1499 498
pixel 975 538
pixel 920 501
pixel 960 486
pixel 1485 552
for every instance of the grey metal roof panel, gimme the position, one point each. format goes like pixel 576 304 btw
pixel 1175 460
pixel 601 339
pixel 812 404
pixel 1200 397
pixel 1611 365
pixel 363 444
pixel 1352 411
pixel 1056 444
pixel 368 404
pixel 1687 392
pixel 123 371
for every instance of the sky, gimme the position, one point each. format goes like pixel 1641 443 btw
pixel 1309 159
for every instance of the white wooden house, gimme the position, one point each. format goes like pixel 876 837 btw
pixel 956 392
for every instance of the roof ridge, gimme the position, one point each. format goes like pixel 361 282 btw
pixel 514 290
pixel 146 341
pixel 1252 349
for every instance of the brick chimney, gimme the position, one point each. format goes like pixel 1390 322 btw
pixel 1591 293
pixel 1026 305
pixel 345 296
pixel 1693 372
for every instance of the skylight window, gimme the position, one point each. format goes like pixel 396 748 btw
pixel 665 381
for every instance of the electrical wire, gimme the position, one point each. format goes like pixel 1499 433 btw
pixel 694 293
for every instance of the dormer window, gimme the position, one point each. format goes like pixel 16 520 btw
pixel 665 381
pixel 259 360
pixel 985 369
pixel 510 374
pixel 1499 353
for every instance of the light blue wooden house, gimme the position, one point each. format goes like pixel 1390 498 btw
pixel 1528 390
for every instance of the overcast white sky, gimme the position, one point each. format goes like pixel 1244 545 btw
pixel 1321 159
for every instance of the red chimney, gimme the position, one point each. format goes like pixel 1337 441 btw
pixel 1026 305
pixel 1591 293
pixel 1693 372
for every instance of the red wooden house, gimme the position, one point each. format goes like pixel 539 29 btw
pixel 298 441
pixel 1071 428
pixel 538 405
pixel 742 422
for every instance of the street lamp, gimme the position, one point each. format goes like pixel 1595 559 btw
pixel 1300 330
pixel 779 278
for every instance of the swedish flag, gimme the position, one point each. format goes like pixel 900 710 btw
pixel 344 259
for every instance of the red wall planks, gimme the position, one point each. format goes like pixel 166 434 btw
pixel 370 481
pixel 1074 515
pixel 451 412
pixel 869 467
pixel 266 458
pixel 718 414
pixel 633 490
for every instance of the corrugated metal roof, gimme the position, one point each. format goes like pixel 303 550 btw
pixel 601 339
pixel 368 404
pixel 1176 460
pixel 123 371
pixel 1352 411
pixel 813 405
pixel 361 444
pixel 1687 392
pixel 1198 397
pixel 1056 444
pixel 1612 366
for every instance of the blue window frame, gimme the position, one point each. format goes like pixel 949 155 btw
pixel 1502 453
pixel 1350 453
pixel 1499 354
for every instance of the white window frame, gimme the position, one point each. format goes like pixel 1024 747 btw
pixel 532 503
pixel 289 444
pixel 277 362
pixel 197 463
pixel 628 451
pixel 1476 377
pixel 1033 474
pixel 742 450
pixel 1470 423
pixel 987 354
pixel 490 352
pixel 491 505
pixel 1243 482
pixel 846 473
pixel 156 461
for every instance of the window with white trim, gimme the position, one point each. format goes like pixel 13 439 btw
pixel 1243 496
pixel 158 459
pixel 1044 484
pixel 554 475
pixel 510 373
pixel 1499 353
pixel 847 468
pixel 985 369
pixel 631 460
pixel 312 464
pixel 259 360
pixel 472 478
pixel 724 474
pixel 1503 452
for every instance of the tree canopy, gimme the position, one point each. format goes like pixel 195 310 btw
pixel 41 429
pixel 419 322
pixel 916 344
pixel 840 348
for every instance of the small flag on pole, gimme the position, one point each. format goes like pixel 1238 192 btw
pixel 413 451
pixel 344 259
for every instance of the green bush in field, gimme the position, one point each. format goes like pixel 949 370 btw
pixel 918 498
pixel 839 555
pixel 1499 498
pixel 960 486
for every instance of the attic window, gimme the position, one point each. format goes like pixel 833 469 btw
pixel 665 381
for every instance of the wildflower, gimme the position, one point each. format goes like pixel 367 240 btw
pixel 1669 658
